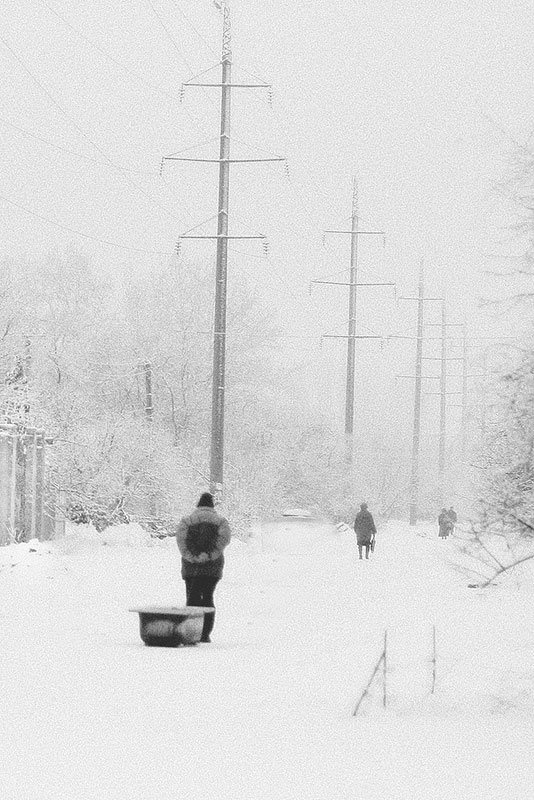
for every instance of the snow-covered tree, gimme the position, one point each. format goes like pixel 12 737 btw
pixel 503 531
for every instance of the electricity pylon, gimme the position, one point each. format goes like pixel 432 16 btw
pixel 443 392
pixel 419 357
pixel 351 336
pixel 222 237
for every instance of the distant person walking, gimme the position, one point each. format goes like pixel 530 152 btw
pixel 453 516
pixel 445 524
pixel 202 537
pixel 365 528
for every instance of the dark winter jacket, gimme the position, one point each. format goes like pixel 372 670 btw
pixel 365 527
pixel 206 564
pixel 445 523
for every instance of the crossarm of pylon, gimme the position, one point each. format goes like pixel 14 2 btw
pixel 223 236
pixel 224 160
pixel 340 283
pixel 232 85
pixel 361 233
pixel 424 299
pixel 444 325
pixel 355 336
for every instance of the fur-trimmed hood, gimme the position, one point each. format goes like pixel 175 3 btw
pixel 204 514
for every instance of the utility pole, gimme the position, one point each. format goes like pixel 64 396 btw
pixel 351 336
pixel 27 360
pixel 442 401
pixel 443 359
pixel 219 330
pixel 465 376
pixel 149 402
pixel 351 341
pixel 463 403
pixel 443 393
pixel 416 438
pixel 149 415
pixel 222 237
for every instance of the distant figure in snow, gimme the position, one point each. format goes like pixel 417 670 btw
pixel 202 538
pixel 453 516
pixel 444 523
pixel 365 528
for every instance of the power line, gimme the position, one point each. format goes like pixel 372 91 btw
pixel 52 99
pixel 123 170
pixel 208 45
pixel 84 235
pixel 170 36
pixel 70 152
pixel 107 55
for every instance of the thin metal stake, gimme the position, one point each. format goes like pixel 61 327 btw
pixel 365 691
pixel 433 660
pixel 384 658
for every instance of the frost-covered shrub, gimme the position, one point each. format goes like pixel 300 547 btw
pixel 507 502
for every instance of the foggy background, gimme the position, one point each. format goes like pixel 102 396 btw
pixel 425 104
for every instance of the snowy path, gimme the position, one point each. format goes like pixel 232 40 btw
pixel 265 711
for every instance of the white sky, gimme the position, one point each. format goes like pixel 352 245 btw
pixel 422 102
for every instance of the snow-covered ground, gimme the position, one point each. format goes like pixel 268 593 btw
pixel 265 711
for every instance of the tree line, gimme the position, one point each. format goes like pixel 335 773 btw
pixel 118 373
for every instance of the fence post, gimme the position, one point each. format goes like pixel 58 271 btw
pixel 433 660
pixel 382 662
pixel 385 666
pixel 28 484
pixel 23 485
pixel 39 483
pixel 5 484
pixel 13 444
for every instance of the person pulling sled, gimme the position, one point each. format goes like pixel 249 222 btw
pixel 365 528
pixel 201 538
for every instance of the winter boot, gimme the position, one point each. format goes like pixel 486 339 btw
pixel 209 621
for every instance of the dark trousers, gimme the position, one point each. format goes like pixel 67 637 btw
pixel 199 592
pixel 360 549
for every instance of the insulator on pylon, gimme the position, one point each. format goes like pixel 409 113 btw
pixel 161 166
pixel 310 288
pixel 265 245
pixel 324 240
pixel 286 167
pixel 178 248
pixel 270 95
pixel 321 343
pixel 181 94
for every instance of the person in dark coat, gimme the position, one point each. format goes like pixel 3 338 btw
pixel 444 523
pixel 202 537
pixel 365 528
pixel 453 516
